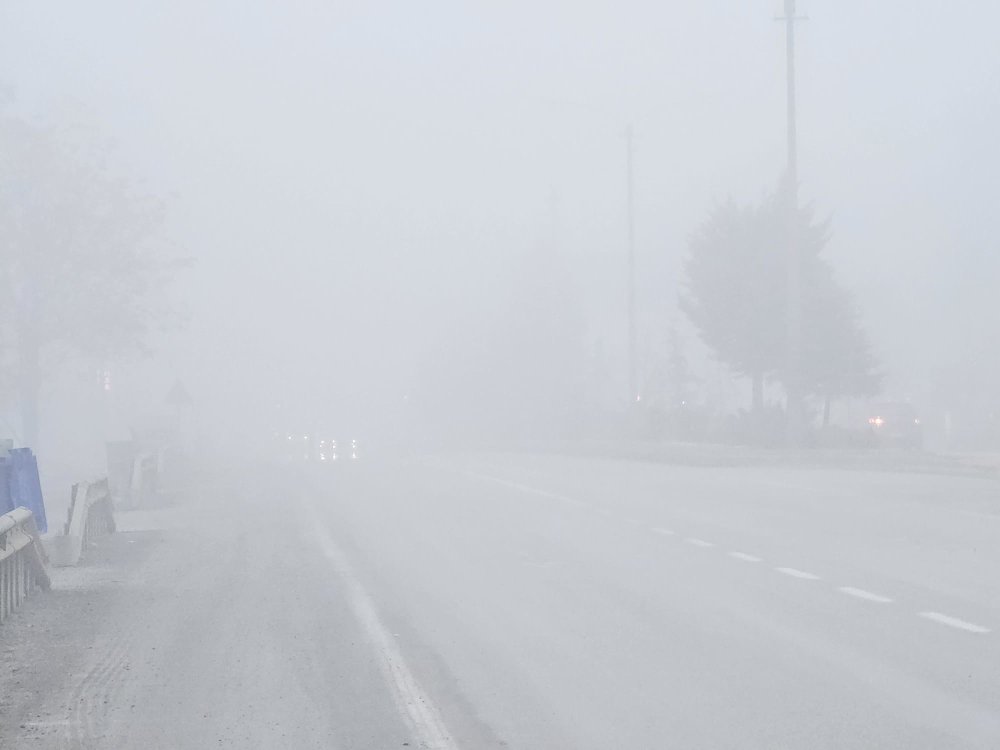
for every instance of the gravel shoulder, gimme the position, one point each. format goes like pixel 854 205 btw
pixel 50 638
pixel 211 623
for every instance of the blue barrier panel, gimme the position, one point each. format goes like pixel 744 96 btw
pixel 24 487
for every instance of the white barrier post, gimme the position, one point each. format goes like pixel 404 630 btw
pixel 91 514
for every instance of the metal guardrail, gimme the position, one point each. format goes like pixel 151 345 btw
pixel 91 514
pixel 22 560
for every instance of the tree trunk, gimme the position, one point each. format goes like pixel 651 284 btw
pixel 30 387
pixel 826 412
pixel 757 398
pixel 757 409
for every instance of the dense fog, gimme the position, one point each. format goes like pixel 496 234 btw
pixel 551 375
pixel 412 218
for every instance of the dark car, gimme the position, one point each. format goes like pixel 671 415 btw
pixel 896 425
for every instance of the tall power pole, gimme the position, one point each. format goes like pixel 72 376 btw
pixel 793 304
pixel 633 385
pixel 793 157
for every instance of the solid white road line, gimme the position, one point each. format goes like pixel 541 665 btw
pixel 862 594
pixel 412 701
pixel 699 542
pixel 744 557
pixel 665 532
pixel 954 622
pixel 796 573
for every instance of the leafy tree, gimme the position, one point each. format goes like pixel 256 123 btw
pixel 678 371
pixel 736 292
pixel 81 271
pixel 837 359
pixel 668 383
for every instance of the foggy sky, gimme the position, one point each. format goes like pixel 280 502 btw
pixel 360 169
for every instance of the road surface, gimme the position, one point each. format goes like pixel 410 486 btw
pixel 501 601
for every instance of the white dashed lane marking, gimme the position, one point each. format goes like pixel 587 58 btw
pixel 699 542
pixel 862 594
pixel 858 593
pixel 954 622
pixel 796 573
pixel 525 488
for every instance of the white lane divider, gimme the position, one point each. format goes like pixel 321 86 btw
pixel 698 542
pixel 524 488
pixel 863 594
pixel 954 622
pixel 412 701
pixel 796 573
pixel 858 593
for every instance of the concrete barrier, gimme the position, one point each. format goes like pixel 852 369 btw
pixel 133 472
pixel 91 515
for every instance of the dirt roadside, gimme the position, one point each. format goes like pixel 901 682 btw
pixel 49 639
pixel 213 623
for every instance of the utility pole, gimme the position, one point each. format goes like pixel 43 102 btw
pixel 633 385
pixel 28 349
pixel 794 422
pixel 793 157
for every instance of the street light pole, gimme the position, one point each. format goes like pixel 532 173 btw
pixel 794 421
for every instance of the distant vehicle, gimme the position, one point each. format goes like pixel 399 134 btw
pixel 896 425
pixel 311 448
pixel 293 446
pixel 331 451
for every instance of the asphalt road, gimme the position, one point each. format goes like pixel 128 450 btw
pixel 598 604
pixel 535 602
